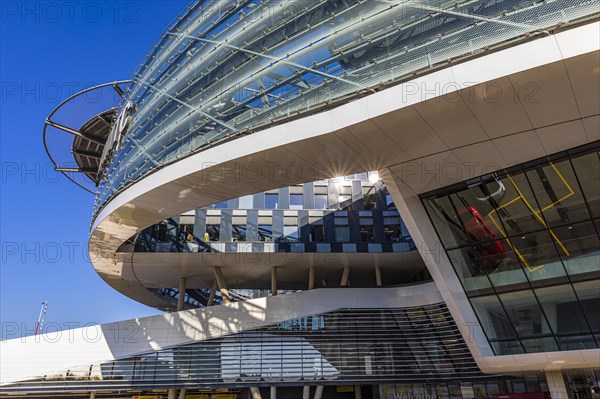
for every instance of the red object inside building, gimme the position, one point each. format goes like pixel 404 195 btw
pixel 487 247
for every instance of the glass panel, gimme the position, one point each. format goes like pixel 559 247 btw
pixel 296 201
pixel 320 201
pixel 246 202
pixel 446 222
pixel 238 233
pixel 524 313
pixel 492 317
pixel 580 247
pixel 515 206
pixel 265 233
pixel 562 310
pixel 537 252
pixel 366 234
pixel 473 280
pixel 342 234
pixel 577 342
pixel 505 271
pixel 558 193
pixel 271 201
pixel 221 205
pixel 290 233
pixel 316 233
pixel 588 293
pixel 587 168
pixel 512 347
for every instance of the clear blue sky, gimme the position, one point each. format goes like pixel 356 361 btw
pixel 47 49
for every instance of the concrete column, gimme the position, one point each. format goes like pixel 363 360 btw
pixel 274 280
pixel 357 392
pixel 319 392
pixel 557 386
pixel 255 393
pixel 420 227
pixel 182 393
pixel 378 280
pixel 171 393
pixel 273 393
pixel 213 292
pixel 93 395
pixel 306 392
pixel 181 299
pixel 311 278
pixel 345 276
pixel 221 284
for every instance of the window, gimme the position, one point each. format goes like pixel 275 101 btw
pixel 342 234
pixel 370 202
pixel 238 232
pixel 161 232
pixel 290 233
pixel 366 234
pixel 186 232
pixel 393 233
pixel 316 233
pixel 246 202
pixel 221 205
pixel 271 201
pixel 296 201
pixel 265 233
pixel 213 232
pixel 389 202
pixel 320 201
pixel 527 235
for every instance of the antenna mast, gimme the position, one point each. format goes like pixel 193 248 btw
pixel 40 323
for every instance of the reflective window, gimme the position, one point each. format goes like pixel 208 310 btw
pixel 238 232
pixel 528 237
pixel 342 234
pixel 296 201
pixel 265 233
pixel 271 201
pixel 290 233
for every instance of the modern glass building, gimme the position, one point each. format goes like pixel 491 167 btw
pixel 343 198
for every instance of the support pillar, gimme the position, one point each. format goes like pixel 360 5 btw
pixel 357 392
pixel 182 393
pixel 221 284
pixel 93 395
pixel 345 276
pixel 319 392
pixel 181 299
pixel 311 278
pixel 171 393
pixel 273 393
pixel 378 279
pixel 274 280
pixel 306 392
pixel 557 386
pixel 255 393
pixel 213 292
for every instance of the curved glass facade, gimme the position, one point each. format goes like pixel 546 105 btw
pixel 228 68
pixel 413 344
pixel 525 244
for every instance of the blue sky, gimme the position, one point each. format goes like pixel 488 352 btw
pixel 48 50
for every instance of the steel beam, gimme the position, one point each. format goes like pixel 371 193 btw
pixel 74 132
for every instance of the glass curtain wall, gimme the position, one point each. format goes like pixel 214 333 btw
pixel 524 243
